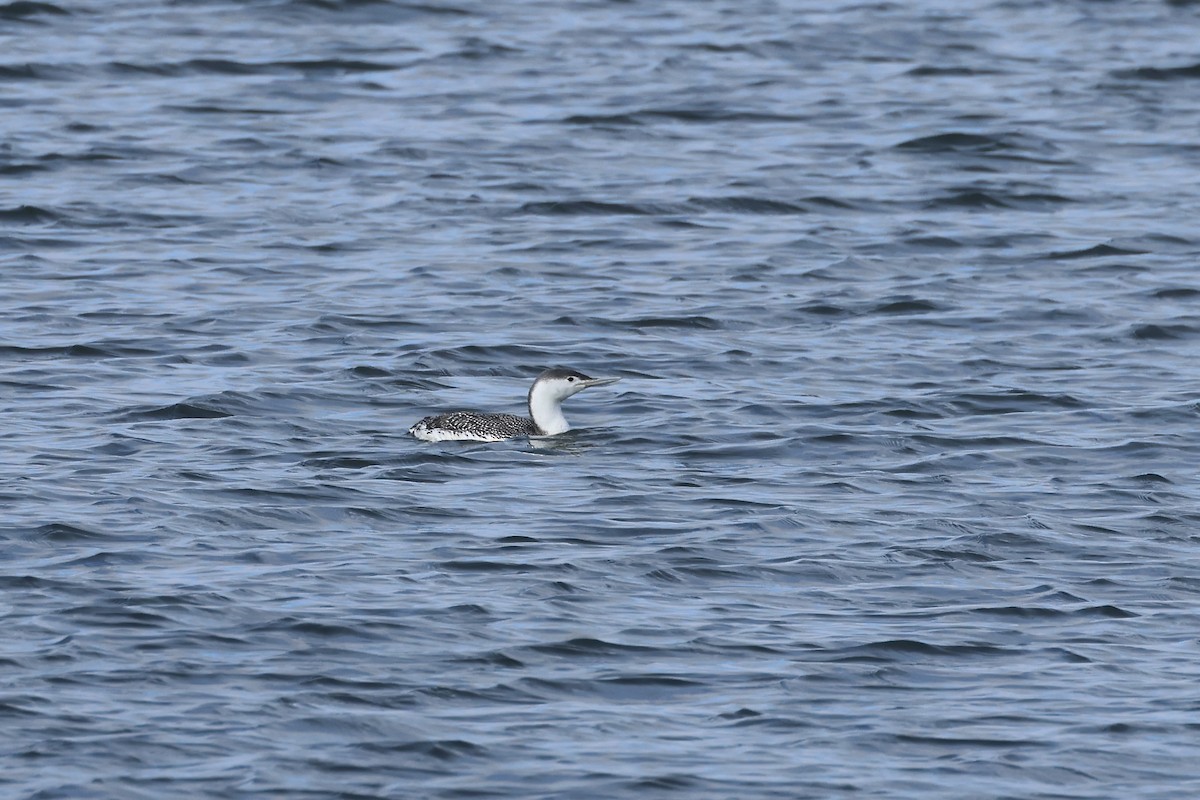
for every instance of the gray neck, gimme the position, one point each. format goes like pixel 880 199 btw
pixel 545 409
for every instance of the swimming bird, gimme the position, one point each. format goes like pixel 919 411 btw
pixel 545 413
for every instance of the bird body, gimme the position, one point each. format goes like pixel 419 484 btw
pixel 545 413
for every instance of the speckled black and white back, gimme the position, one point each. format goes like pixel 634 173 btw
pixel 472 426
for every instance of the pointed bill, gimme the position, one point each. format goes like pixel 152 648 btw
pixel 590 382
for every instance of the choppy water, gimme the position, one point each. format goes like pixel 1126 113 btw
pixel 898 497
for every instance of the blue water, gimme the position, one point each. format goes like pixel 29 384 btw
pixel 899 496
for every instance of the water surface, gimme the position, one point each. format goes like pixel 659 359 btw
pixel 897 497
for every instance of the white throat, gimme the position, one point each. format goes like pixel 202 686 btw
pixel 545 409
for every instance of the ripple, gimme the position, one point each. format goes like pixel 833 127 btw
pixel 590 207
pixel 216 66
pixel 1097 251
pixel 1160 73
pixel 28 215
pixel 23 9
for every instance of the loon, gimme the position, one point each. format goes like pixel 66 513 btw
pixel 545 413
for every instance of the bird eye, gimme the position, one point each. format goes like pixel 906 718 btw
pixel 572 380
